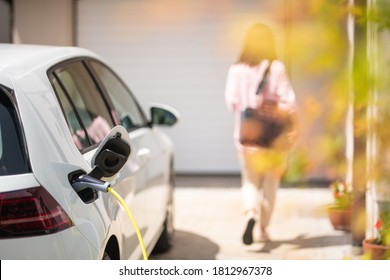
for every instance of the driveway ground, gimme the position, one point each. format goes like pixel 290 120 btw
pixel 209 224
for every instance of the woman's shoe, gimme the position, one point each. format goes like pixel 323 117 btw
pixel 247 238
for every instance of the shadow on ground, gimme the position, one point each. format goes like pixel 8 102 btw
pixel 302 242
pixel 192 247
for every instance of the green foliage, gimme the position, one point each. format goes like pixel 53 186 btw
pixel 297 167
pixel 342 195
pixel 383 227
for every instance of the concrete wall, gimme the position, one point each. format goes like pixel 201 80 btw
pixel 43 22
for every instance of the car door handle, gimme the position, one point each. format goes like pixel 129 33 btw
pixel 143 153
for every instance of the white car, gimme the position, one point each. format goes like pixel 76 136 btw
pixel 66 117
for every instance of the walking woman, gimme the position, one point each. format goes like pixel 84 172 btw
pixel 261 168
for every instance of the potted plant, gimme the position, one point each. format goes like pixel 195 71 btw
pixel 379 248
pixel 339 211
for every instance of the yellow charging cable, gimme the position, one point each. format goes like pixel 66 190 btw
pixel 140 239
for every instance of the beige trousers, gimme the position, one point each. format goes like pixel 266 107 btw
pixel 261 173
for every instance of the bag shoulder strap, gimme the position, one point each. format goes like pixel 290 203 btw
pixel 263 80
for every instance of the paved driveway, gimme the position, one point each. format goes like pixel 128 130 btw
pixel 209 224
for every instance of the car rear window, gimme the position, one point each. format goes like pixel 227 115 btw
pixel 12 157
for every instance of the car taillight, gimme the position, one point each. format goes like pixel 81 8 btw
pixel 31 212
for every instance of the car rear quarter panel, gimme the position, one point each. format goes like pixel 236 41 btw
pixel 67 244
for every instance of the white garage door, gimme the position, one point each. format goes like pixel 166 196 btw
pixel 177 53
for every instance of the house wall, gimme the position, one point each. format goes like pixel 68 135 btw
pixel 178 53
pixel 5 22
pixel 43 22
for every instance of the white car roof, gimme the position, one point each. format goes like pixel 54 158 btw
pixel 27 57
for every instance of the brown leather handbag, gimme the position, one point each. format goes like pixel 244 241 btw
pixel 267 125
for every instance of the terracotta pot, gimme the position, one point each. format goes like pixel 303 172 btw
pixel 376 251
pixel 340 218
